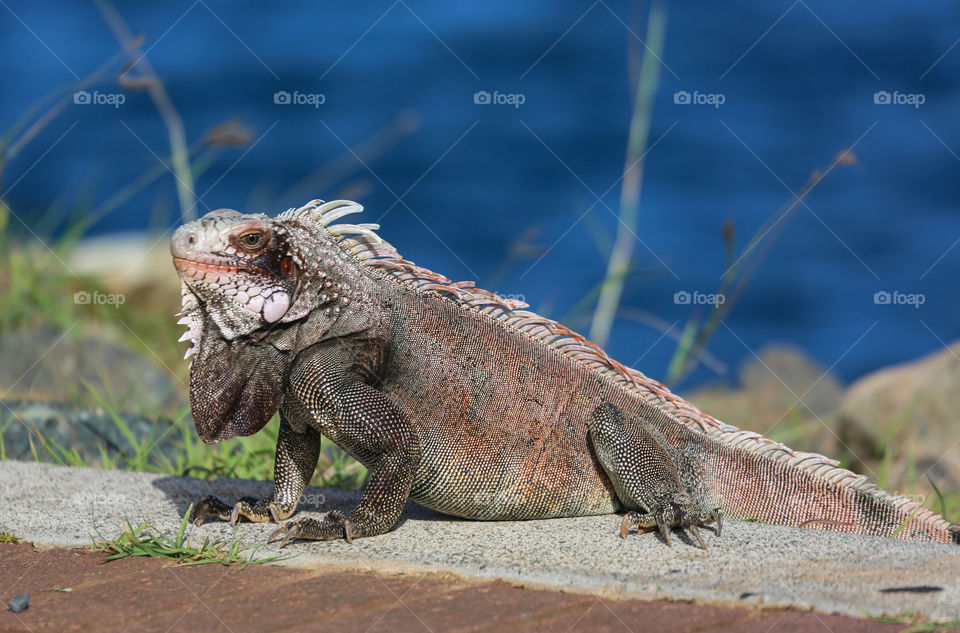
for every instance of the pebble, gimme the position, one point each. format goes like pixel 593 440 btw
pixel 19 603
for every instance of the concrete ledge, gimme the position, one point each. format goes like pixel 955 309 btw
pixel 751 564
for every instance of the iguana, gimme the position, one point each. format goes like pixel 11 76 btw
pixel 462 400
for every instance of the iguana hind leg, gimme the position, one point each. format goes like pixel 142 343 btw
pixel 649 476
pixel 297 455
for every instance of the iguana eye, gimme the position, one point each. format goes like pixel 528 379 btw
pixel 252 240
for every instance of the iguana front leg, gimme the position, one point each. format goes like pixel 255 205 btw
pixel 646 473
pixel 364 421
pixel 296 459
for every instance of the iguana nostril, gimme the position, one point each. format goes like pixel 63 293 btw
pixel 184 241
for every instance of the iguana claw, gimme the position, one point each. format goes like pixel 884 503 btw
pixel 665 531
pixel 696 535
pixel 287 530
pixel 235 514
pixel 631 519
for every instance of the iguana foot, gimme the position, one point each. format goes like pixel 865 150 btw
pixel 253 510
pixel 682 515
pixel 660 486
pixel 333 525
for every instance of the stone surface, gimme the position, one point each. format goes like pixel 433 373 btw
pixel 751 565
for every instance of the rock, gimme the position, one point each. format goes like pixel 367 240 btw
pixel 19 603
pixel 46 379
pixel 910 409
pixel 124 260
pixel 46 364
pixel 85 430
pixel 784 394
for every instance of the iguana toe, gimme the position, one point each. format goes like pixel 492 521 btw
pixel 679 512
pixel 247 508
pixel 260 511
pixel 692 528
pixel 282 530
pixel 332 526
pixel 690 523
pixel 645 521
pixel 210 507
pixel 665 531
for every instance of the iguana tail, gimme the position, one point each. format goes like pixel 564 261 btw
pixel 755 478
pixel 752 477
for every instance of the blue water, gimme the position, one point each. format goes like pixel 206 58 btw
pixel 799 94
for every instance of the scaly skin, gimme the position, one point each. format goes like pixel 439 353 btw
pixel 463 401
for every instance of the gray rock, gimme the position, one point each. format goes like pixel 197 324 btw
pixel 911 409
pixel 46 364
pixel 783 388
pixel 19 603
pixel 76 428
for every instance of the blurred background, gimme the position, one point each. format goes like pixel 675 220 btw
pixel 758 197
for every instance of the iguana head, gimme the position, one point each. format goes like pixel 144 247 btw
pixel 250 283
pixel 239 267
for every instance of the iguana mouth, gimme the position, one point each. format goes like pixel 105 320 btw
pixel 199 267
pixel 255 287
